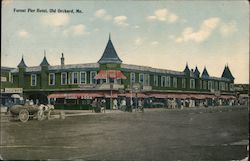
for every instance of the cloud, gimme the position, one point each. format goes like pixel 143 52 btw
pixel 163 15
pixel 138 41
pixel 56 20
pixel 227 29
pixel 23 34
pixel 6 2
pixel 205 31
pixel 121 21
pixel 136 27
pixel 155 43
pixel 76 30
pixel 102 14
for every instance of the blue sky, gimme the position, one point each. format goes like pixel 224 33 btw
pixel 160 34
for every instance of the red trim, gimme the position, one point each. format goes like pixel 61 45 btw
pixel 103 74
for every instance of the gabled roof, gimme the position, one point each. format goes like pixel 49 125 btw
pixel 22 64
pixel 196 72
pixel 109 55
pixel 44 62
pixel 205 73
pixel 227 73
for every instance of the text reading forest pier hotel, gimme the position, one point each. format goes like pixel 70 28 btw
pixel 39 10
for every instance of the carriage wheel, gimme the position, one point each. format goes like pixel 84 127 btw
pixel 23 115
pixel 40 115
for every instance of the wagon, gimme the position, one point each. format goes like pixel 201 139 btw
pixel 26 112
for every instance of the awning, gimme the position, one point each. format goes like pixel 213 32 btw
pixel 103 74
pixel 75 95
pixel 139 95
pixel 227 97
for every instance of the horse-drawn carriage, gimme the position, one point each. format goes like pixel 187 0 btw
pixel 39 112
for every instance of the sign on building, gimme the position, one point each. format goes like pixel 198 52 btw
pixel 13 90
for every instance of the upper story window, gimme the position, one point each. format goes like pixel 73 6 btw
pixel 200 84
pixel 83 77
pixel 222 86
pixel 92 77
pixel 183 83
pixel 204 84
pixel 74 77
pixel 33 80
pixel 216 87
pixel 226 86
pixel 63 78
pixel 132 77
pixel 175 82
pixel 231 87
pixel 168 81
pixel 210 85
pixel 146 79
pixel 52 78
pixel 192 83
pixel 163 81
pixel 141 78
pixel 156 80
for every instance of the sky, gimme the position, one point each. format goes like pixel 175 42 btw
pixel 159 34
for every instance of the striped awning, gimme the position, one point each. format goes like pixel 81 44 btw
pixel 75 95
pixel 103 74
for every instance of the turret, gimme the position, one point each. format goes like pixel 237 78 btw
pixel 21 70
pixel 227 74
pixel 109 55
pixel 205 73
pixel 196 72
pixel 187 70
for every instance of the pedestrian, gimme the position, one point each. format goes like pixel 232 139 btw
pixel 115 104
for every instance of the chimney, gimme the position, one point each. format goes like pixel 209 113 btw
pixel 62 60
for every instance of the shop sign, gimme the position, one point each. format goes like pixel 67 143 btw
pixel 13 90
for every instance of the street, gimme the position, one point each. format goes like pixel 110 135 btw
pixel 161 134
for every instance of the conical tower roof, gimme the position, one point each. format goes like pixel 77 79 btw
pixel 186 70
pixel 205 73
pixel 227 73
pixel 44 62
pixel 22 64
pixel 196 72
pixel 109 55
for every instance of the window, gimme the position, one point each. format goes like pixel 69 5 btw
pixel 83 77
pixel 226 86
pixel 183 83
pixel 175 82
pixel 231 87
pixel 204 84
pixel 192 83
pixel 146 79
pixel 216 87
pixel 156 80
pixel 163 81
pixel 63 78
pixel 141 78
pixel 210 85
pixel 200 84
pixel 222 86
pixel 74 77
pixel 92 77
pixel 33 80
pixel 132 77
pixel 168 81
pixel 52 78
